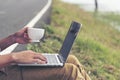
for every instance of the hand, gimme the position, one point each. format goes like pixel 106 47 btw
pixel 22 36
pixel 28 57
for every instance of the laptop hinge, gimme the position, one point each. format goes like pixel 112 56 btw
pixel 60 58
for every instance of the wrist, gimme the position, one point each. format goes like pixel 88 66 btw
pixel 6 42
pixel 13 57
pixel 12 38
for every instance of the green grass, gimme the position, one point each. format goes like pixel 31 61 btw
pixel 110 18
pixel 97 45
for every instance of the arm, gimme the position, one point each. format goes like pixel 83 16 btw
pixel 6 42
pixel 18 37
pixel 5 60
pixel 22 57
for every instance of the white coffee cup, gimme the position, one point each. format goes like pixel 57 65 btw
pixel 35 34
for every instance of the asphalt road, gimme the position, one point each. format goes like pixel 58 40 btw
pixel 15 14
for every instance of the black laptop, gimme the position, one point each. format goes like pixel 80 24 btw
pixel 59 58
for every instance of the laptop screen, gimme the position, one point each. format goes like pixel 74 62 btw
pixel 69 39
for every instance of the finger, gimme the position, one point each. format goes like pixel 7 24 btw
pixel 26 36
pixel 38 61
pixel 24 30
pixel 24 41
pixel 42 62
pixel 41 57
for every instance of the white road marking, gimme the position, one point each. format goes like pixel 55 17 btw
pixel 30 24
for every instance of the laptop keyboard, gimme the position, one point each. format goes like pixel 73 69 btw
pixel 51 59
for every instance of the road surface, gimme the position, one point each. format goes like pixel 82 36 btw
pixel 15 14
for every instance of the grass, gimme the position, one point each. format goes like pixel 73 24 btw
pixel 111 18
pixel 97 45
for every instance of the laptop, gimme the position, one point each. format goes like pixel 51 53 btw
pixel 59 59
